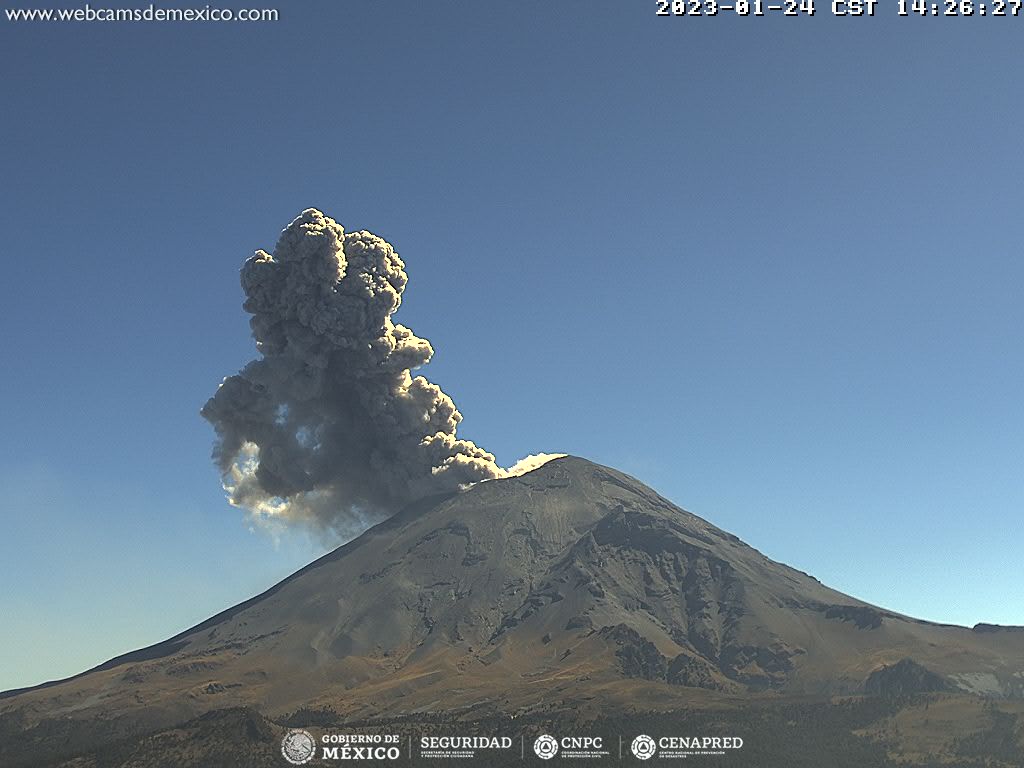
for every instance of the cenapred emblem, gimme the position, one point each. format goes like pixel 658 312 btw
pixel 546 747
pixel 298 746
pixel 643 747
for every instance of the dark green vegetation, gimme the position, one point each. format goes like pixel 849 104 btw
pixel 846 733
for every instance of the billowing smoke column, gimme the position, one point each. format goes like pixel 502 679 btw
pixel 329 427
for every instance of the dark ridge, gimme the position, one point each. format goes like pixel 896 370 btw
pixel 638 656
pixel 863 616
pixel 905 677
pixel 996 628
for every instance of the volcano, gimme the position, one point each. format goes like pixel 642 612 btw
pixel 572 586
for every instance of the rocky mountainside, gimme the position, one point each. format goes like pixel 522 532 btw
pixel 573 585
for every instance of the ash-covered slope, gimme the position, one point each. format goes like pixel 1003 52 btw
pixel 570 584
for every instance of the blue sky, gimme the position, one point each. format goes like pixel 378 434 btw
pixel 770 266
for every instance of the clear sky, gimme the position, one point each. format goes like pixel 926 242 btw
pixel 770 266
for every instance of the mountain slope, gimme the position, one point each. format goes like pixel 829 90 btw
pixel 572 584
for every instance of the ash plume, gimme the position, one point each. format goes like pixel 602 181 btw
pixel 329 427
